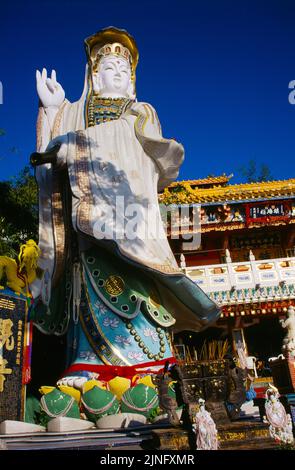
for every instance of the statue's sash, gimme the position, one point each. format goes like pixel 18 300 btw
pixel 124 289
pixel 118 340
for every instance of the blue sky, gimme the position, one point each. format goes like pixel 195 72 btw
pixel 217 72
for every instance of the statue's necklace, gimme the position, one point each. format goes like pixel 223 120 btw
pixel 142 345
pixel 106 109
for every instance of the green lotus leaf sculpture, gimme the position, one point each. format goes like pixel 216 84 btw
pixel 98 402
pixel 57 404
pixel 140 399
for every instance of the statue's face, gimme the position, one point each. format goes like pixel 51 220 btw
pixel 114 77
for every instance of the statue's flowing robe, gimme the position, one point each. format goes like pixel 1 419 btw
pixel 125 161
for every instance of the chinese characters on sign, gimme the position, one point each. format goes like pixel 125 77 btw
pixel 267 210
pixel 19 341
pixel 6 342
pixel 13 320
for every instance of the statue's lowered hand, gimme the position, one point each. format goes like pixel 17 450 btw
pixel 50 92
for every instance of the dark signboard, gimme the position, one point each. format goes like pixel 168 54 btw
pixel 267 211
pixel 13 333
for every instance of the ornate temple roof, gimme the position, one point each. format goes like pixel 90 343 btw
pixel 208 181
pixel 189 192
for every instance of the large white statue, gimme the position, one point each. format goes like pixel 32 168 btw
pixel 110 277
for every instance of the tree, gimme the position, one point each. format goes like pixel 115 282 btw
pixel 18 212
pixel 252 174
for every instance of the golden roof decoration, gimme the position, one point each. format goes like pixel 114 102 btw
pixel 221 194
pixel 209 180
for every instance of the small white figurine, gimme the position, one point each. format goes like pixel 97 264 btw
pixel 289 340
pixel 205 429
pixel 280 423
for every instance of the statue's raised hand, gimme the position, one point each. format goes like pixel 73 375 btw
pixel 49 90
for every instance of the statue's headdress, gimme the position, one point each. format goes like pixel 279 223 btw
pixel 112 41
pixel 271 391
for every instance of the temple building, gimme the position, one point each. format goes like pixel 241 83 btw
pixel 245 260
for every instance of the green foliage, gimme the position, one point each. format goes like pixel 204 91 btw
pixel 18 212
pixel 286 446
pixel 155 413
pixel 253 174
pixel 42 418
pixel 32 410
pixel 7 239
pixel 25 190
